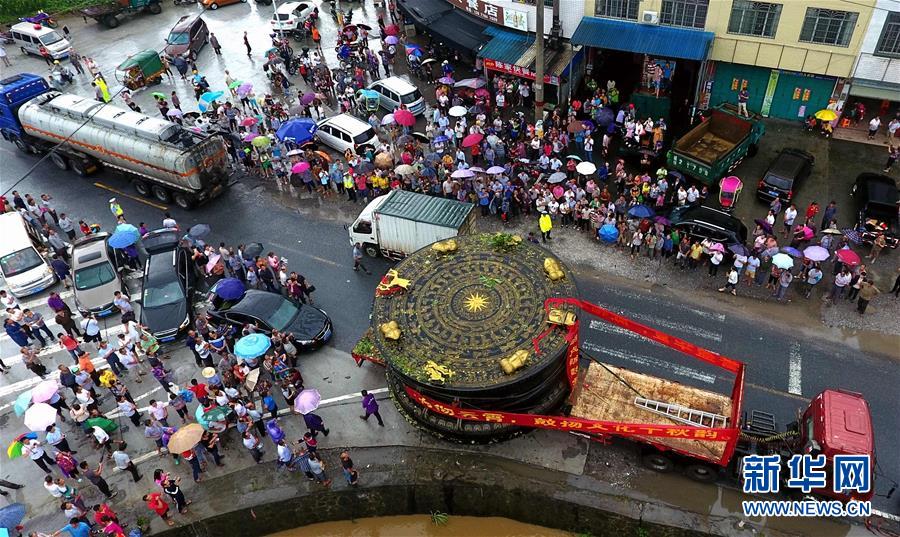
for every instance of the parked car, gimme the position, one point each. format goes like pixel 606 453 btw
pixel 29 37
pixel 789 169
pixel 703 222
pixel 290 16
pixel 167 284
pixel 96 275
pixel 344 132
pixel 394 91
pixel 877 206
pixel 214 4
pixel 310 326
pixel 189 34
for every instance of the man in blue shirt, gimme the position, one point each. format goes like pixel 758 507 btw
pixel 75 528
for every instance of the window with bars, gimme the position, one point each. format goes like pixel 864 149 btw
pixel 889 42
pixel 687 13
pixel 754 18
pixel 617 9
pixel 828 26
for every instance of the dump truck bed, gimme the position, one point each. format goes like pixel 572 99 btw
pixel 602 394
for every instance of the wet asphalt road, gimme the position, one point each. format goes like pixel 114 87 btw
pixel 312 238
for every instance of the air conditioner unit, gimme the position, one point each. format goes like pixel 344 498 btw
pixel 650 17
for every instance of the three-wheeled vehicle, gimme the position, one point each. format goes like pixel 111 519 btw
pixel 729 190
pixel 366 102
pixel 140 70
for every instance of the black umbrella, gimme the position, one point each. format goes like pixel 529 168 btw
pixel 405 139
pixel 365 27
pixel 420 137
pixel 428 61
pixel 364 167
pixel 199 231
pixel 253 249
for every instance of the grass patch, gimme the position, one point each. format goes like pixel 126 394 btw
pixel 12 10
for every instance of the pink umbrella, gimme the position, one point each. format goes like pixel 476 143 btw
pixel 405 118
pixel 481 92
pixel 249 122
pixel 717 247
pixel 44 391
pixel 300 167
pixel 808 232
pixel 39 417
pixel 392 29
pixel 847 257
pixel 472 139
pixel 558 191
pixel 307 401
pixel 213 259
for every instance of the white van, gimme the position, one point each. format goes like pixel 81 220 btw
pixel 346 132
pixel 30 37
pixel 394 91
pixel 24 269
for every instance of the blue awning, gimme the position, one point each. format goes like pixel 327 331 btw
pixel 505 46
pixel 662 41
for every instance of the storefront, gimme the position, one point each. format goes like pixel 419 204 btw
pixel 772 92
pixel 445 25
pixel 512 53
pixel 654 67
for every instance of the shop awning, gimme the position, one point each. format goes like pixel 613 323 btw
pixel 514 53
pixel 655 40
pixel 446 24
pixel 874 89
pixel 425 11
pixel 505 46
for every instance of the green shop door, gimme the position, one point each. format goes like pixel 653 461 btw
pixel 729 79
pixel 798 95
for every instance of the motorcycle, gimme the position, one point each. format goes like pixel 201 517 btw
pixel 60 78
pixel 41 18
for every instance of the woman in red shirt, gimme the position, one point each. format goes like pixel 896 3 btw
pixel 157 504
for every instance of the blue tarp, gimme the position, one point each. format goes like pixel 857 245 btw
pixel 661 41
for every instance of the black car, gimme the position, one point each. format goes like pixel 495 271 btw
pixel 789 169
pixel 310 326
pixel 877 204
pixel 166 285
pixel 701 222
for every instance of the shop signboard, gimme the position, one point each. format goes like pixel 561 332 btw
pixel 511 18
pixel 515 70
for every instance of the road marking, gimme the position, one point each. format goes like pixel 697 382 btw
pixel 794 370
pixel 31 304
pixel 605 327
pixel 653 363
pixel 652 298
pixel 22 385
pixel 56 347
pixel 774 391
pixel 671 325
pixel 129 196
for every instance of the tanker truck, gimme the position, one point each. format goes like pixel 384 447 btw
pixel 163 159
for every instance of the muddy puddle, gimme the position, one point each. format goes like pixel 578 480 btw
pixel 422 526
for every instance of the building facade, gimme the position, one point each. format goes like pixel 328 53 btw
pixel 876 74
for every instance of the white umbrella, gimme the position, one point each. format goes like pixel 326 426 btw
pixel 495 170
pixel 457 111
pixel 782 261
pixel 387 119
pixel 39 417
pixel 585 168
pixel 462 174
pixel 295 152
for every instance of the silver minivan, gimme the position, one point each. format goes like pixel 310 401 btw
pixel 394 91
pixel 343 132
pixel 29 38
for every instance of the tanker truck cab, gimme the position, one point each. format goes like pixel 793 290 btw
pixel 838 422
pixel 29 37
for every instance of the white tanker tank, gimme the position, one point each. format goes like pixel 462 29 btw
pixel 164 159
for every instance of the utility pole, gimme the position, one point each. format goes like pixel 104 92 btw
pixel 539 61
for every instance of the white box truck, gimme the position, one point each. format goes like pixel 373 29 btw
pixel 399 223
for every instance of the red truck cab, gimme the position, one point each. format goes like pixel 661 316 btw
pixel 838 422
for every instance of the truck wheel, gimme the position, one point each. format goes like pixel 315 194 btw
pixel 60 161
pixel 752 150
pixel 80 167
pixel 658 462
pixel 185 201
pixel 701 472
pixel 214 6
pixel 23 146
pixel 161 194
pixel 155 8
pixel 110 21
pixel 372 250
pixel 142 188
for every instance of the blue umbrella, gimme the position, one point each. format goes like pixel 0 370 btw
pixel 12 515
pixel 299 130
pixel 428 172
pixel 440 139
pixel 608 233
pixel 252 346
pixel 604 116
pixel 124 236
pixel 641 211
pixel 207 98
pixel 791 251
pixel 230 289
pixel 23 401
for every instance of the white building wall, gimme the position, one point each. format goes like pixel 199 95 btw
pixel 869 66
pixel 570 14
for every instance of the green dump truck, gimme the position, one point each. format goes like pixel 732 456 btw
pixel 110 13
pixel 717 145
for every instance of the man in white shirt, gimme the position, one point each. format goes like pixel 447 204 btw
pixel 693 195
pixel 35 451
pixel 159 412
pixel 789 215
pixel 169 222
pixel 91 329
pixel 285 455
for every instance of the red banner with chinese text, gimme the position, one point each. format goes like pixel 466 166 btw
pixel 515 70
pixel 562 423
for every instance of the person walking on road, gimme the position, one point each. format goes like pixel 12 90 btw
pixel 370 405
pixel 35 451
pixel 57 439
pixel 124 462
pixel 95 477
pixel 214 43
pixel 867 291
pixel 357 258
pixel 314 423
pixel 172 487
pixel 247 44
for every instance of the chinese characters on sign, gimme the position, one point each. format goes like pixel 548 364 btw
pixel 511 18
pixel 511 69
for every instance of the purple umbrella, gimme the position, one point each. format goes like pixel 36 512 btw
pixel 307 401
pixel 662 220
pixel 446 80
pixel 738 249
pixel 816 253
pixel 765 225
pixel 230 289
pixel 244 89
pixel 391 40
pixel 307 98
pixel 791 251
